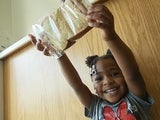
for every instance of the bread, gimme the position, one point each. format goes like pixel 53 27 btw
pixel 67 23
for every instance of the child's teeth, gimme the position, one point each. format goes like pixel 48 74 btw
pixel 111 90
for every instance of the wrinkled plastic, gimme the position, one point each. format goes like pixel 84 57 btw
pixel 64 24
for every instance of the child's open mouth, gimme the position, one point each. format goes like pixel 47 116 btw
pixel 112 91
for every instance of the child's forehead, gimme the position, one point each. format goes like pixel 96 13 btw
pixel 106 62
pixel 106 65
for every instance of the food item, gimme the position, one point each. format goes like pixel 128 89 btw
pixel 65 24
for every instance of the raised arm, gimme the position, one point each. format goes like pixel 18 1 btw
pixel 75 81
pixel 69 73
pixel 127 63
pixel 99 16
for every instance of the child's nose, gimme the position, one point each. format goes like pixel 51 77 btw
pixel 107 81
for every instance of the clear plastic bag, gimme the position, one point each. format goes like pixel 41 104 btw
pixel 65 24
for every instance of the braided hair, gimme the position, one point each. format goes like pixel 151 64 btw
pixel 92 60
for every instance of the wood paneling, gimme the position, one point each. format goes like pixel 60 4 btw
pixel 34 85
pixel 1 91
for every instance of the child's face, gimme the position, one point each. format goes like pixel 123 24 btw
pixel 108 81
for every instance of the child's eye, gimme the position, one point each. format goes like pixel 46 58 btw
pixel 115 74
pixel 98 78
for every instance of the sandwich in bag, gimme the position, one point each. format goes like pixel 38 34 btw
pixel 66 24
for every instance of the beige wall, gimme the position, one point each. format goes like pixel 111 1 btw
pixel 27 12
pixel 5 23
pixel 1 90
pixel 18 17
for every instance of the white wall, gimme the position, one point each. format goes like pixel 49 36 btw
pixel 27 12
pixel 5 23
pixel 1 90
pixel 17 17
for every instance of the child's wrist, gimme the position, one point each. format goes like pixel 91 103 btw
pixel 111 36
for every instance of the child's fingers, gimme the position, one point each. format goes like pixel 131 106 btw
pixel 46 51
pixel 33 39
pixel 99 16
pixel 38 43
pixel 39 46
pixel 99 10
pixel 98 20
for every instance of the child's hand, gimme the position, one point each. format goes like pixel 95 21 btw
pixel 39 45
pixel 99 16
pixel 44 49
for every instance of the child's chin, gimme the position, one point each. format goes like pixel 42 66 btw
pixel 113 101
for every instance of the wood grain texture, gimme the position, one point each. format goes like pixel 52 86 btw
pixel 34 85
pixel 1 91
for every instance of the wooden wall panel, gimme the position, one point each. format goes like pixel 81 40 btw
pixel 34 85
pixel 35 89
pixel 1 91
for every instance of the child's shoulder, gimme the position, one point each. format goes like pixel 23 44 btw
pixel 135 99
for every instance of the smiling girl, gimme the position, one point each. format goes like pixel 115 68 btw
pixel 120 88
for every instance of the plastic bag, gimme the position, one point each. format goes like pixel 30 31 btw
pixel 65 24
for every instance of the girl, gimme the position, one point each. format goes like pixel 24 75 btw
pixel 120 89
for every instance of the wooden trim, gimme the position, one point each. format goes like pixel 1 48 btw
pixel 16 46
